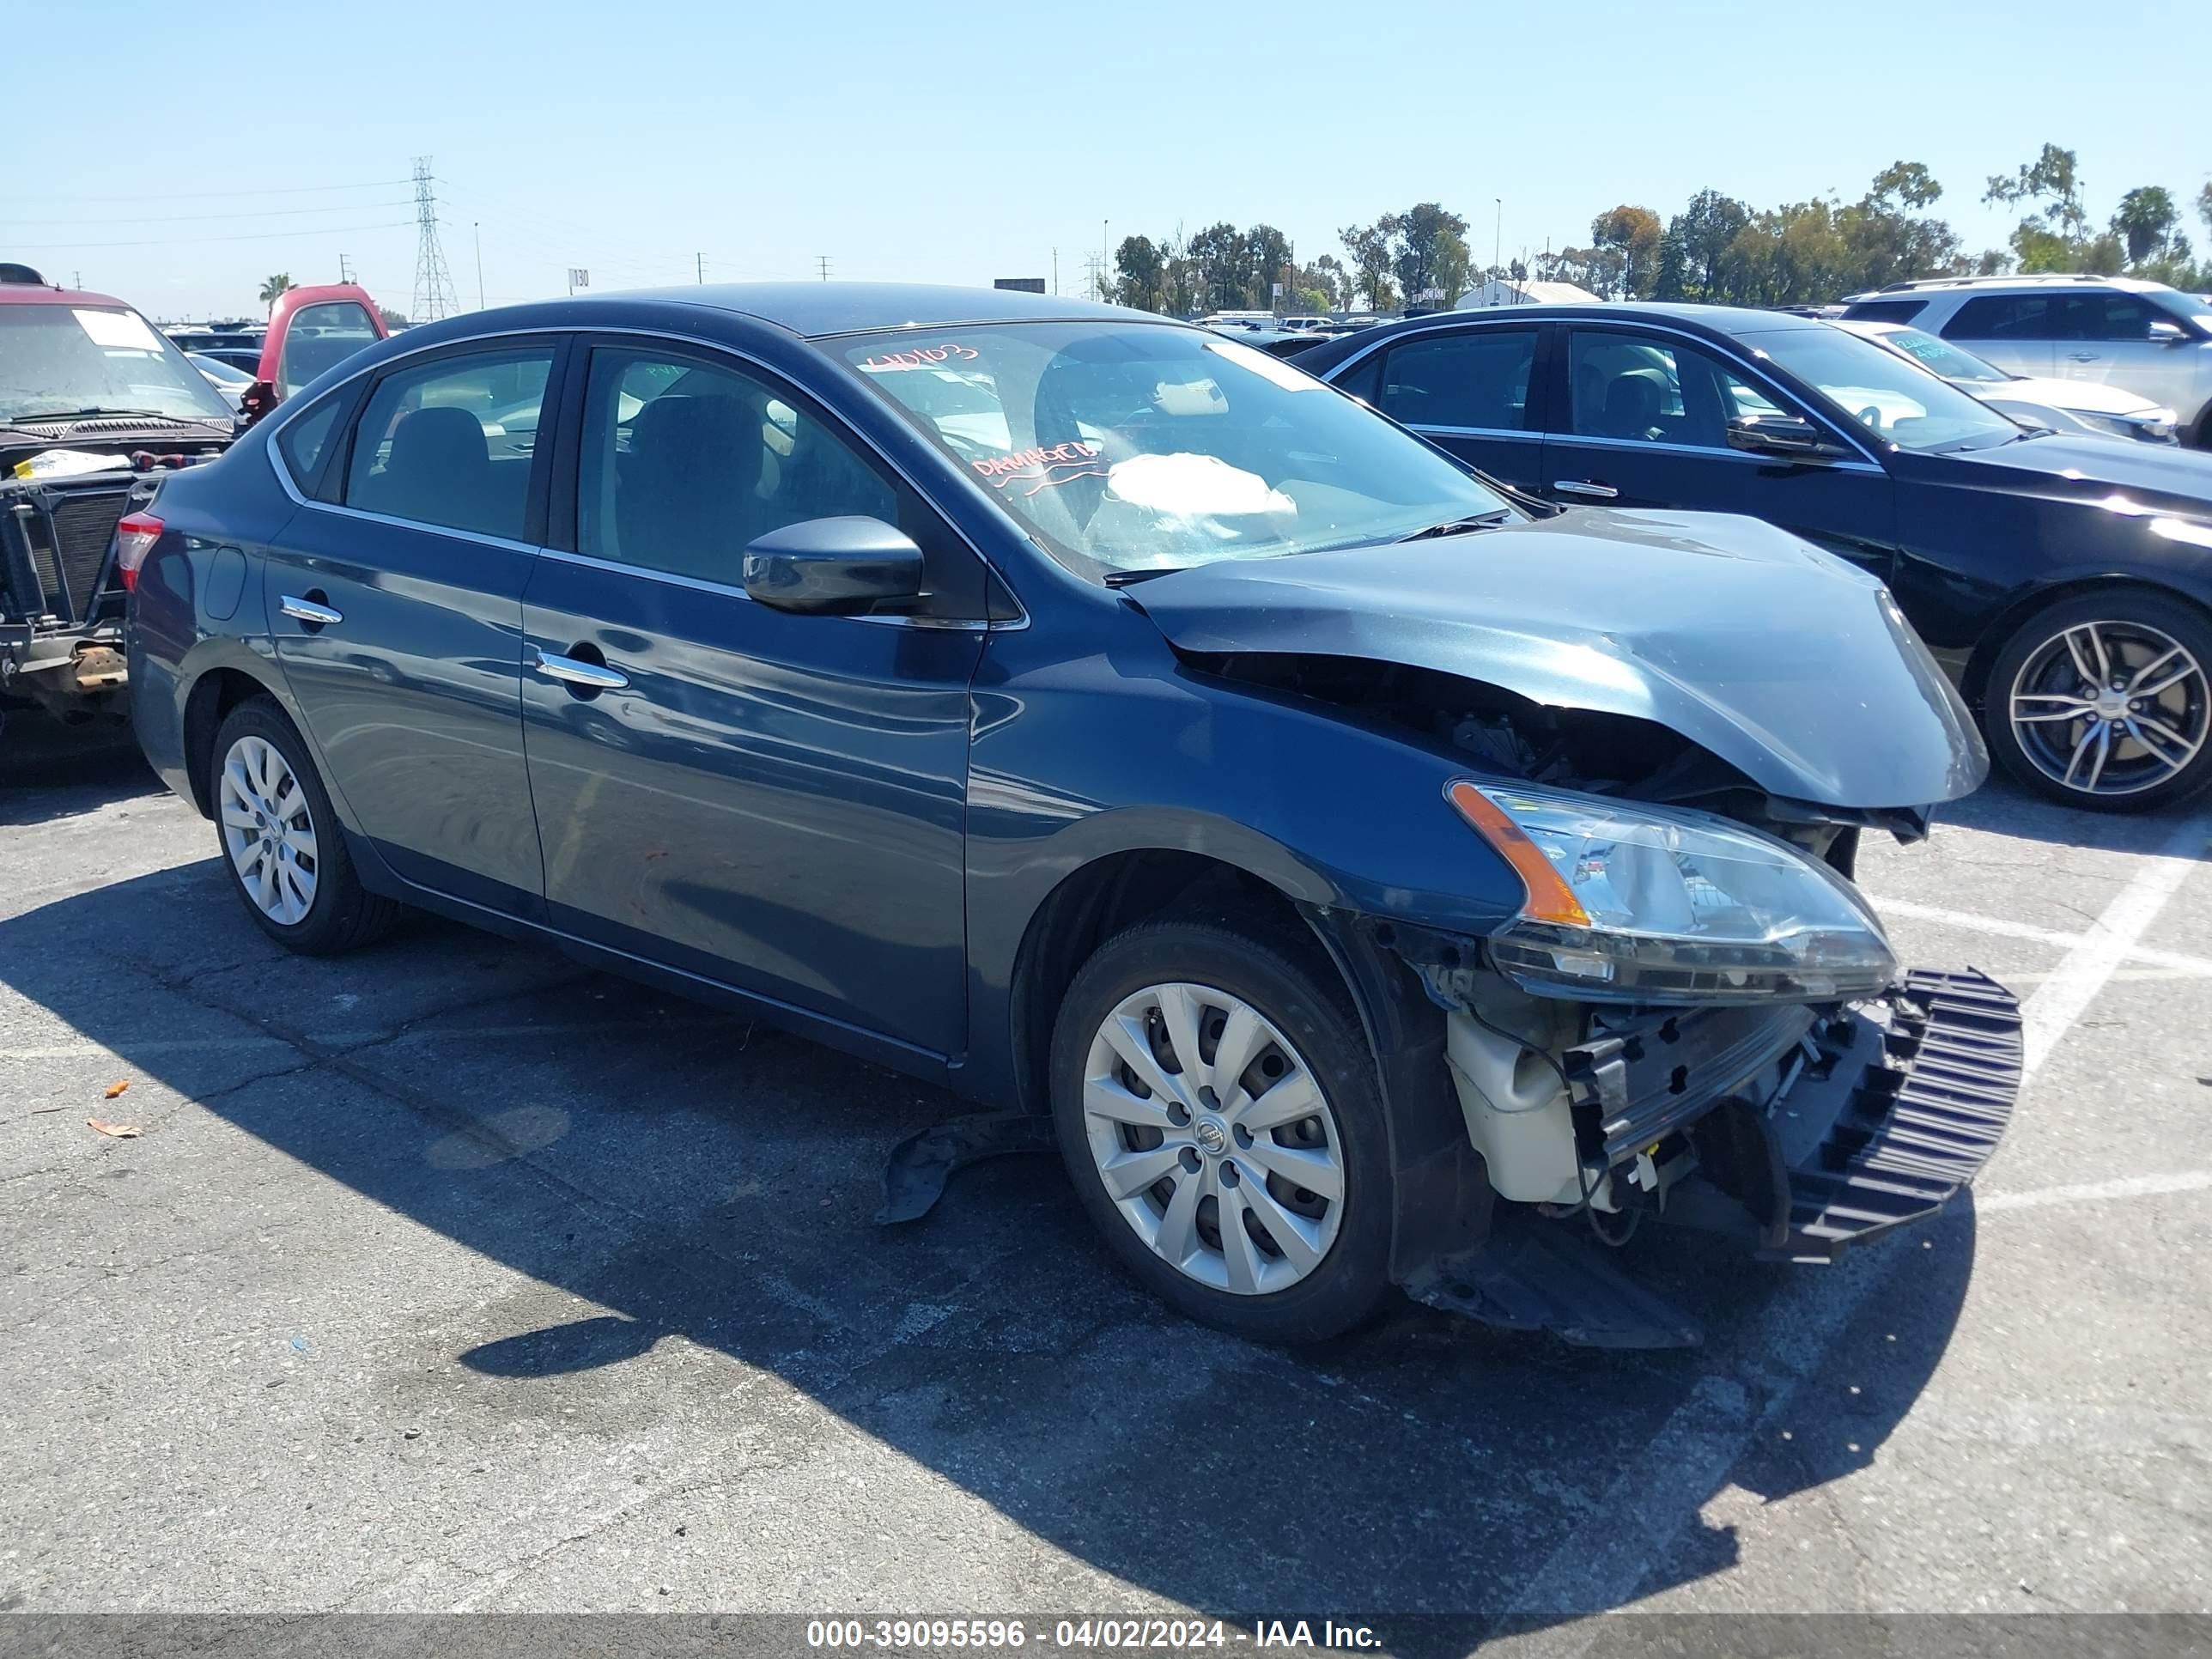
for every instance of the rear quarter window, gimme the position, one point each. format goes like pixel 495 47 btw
pixel 304 440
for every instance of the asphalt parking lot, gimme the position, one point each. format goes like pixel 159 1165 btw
pixel 448 1276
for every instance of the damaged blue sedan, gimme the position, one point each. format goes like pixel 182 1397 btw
pixel 1368 877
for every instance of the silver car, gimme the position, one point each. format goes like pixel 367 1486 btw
pixel 2087 406
pixel 2143 337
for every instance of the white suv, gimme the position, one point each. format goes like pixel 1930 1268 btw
pixel 2145 337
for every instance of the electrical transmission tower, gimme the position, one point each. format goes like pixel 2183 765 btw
pixel 434 284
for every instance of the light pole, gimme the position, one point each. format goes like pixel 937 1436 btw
pixel 1498 243
pixel 477 226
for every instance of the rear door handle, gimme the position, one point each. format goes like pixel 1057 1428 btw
pixel 571 671
pixel 2083 357
pixel 1596 492
pixel 307 611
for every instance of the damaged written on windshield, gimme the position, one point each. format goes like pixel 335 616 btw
pixel 1135 447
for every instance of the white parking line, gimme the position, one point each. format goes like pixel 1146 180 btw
pixel 1603 1562
pixel 2094 1192
pixel 2182 964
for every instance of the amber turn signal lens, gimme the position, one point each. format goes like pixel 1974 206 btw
pixel 1550 898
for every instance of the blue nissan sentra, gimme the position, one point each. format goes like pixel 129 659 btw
pixel 1369 876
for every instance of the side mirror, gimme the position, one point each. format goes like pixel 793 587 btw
pixel 1779 435
pixel 2167 334
pixel 837 566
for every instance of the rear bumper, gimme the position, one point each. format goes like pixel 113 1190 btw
pixel 1883 1112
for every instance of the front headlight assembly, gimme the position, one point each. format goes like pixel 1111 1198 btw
pixel 1634 903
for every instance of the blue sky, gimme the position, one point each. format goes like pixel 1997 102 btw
pixel 961 144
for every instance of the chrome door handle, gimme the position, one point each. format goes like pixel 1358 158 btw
pixel 571 671
pixel 307 611
pixel 1596 492
pixel 2082 356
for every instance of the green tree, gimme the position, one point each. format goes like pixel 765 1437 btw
pixel 1328 273
pixel 1706 230
pixel 1267 261
pixel 1219 254
pixel 1370 248
pixel 1428 252
pixel 1631 236
pixel 393 319
pixel 273 288
pixel 1141 275
pixel 2145 222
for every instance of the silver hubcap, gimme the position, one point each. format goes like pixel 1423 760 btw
pixel 2110 708
pixel 267 830
pixel 1213 1139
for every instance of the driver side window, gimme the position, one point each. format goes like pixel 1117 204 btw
pixel 685 461
pixel 1634 388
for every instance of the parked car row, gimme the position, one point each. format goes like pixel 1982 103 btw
pixel 2064 580
pixel 2142 338
pixel 1369 875
pixel 95 402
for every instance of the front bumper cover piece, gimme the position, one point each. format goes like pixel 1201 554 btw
pixel 1835 1129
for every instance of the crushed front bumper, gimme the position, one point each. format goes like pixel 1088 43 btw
pixel 1828 1128
pixel 1884 1111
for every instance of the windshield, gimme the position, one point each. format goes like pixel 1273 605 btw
pixel 1887 395
pixel 58 359
pixel 2194 307
pixel 1941 356
pixel 1149 446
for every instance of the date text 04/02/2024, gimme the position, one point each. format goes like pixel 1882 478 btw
pixel 1112 1634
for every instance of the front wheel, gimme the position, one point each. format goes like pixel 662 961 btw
pixel 1220 1112
pixel 2103 702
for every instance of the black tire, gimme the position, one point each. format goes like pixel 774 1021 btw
pixel 1344 1288
pixel 2033 652
pixel 341 914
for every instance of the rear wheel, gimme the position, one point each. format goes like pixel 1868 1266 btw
pixel 1219 1110
pixel 280 841
pixel 2104 701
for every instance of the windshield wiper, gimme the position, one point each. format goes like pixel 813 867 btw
pixel 1123 578
pixel 97 411
pixel 1489 520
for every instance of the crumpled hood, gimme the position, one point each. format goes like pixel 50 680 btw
pixel 1790 665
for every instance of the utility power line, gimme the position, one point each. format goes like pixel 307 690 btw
pixel 253 236
pixel 199 218
pixel 215 195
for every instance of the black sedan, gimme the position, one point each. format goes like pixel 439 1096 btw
pixel 1106 720
pixel 2065 582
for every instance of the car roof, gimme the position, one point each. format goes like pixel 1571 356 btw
pixel 20 293
pixel 1718 321
pixel 813 310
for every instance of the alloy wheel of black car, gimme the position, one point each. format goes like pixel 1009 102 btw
pixel 1219 1113
pixel 2106 702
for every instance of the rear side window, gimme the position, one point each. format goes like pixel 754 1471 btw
pixel 1884 311
pixel 306 440
pixel 1477 380
pixel 449 444
pixel 2003 317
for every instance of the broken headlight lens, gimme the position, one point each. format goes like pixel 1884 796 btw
pixel 1635 904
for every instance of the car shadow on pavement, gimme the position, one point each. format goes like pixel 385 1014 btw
pixel 49 771
pixel 2001 807
pixel 680 1176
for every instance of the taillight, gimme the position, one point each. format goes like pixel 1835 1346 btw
pixel 135 536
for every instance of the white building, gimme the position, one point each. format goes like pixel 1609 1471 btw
pixel 1499 292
